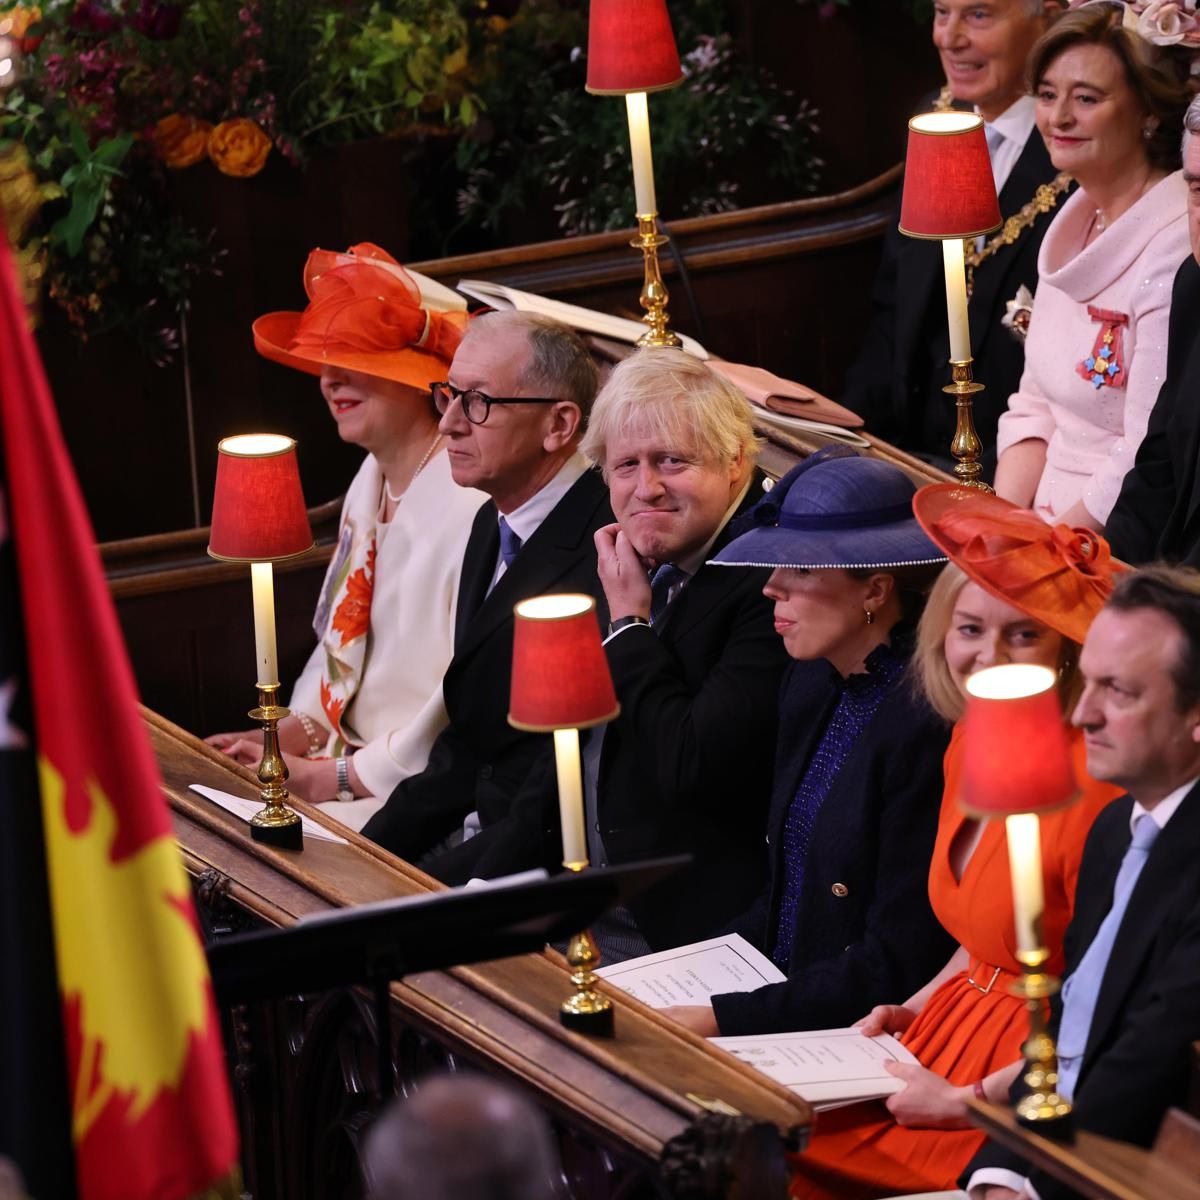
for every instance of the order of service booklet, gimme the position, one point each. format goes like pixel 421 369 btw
pixel 694 974
pixel 828 1067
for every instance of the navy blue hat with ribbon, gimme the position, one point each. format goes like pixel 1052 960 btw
pixel 837 508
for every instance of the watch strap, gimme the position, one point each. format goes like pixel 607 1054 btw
pixel 344 792
pixel 624 623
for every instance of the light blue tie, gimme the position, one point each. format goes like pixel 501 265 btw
pixel 994 138
pixel 510 543
pixel 1082 989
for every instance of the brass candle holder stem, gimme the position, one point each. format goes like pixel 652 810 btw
pixel 1041 1108
pixel 654 293
pixel 587 1011
pixel 965 446
pixel 276 823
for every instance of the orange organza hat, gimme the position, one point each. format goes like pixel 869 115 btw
pixel 1058 575
pixel 366 313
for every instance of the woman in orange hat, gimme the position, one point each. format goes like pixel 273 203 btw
pixel 377 336
pixel 1015 590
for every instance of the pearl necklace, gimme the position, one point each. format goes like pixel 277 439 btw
pixel 420 466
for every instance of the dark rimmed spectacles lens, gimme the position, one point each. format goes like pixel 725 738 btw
pixel 475 404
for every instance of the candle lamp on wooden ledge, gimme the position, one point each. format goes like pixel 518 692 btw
pixel 631 51
pixel 259 518
pixel 561 684
pixel 1017 705
pixel 950 196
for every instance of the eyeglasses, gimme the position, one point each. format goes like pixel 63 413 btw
pixel 476 404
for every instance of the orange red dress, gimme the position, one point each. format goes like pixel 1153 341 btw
pixel 971 1025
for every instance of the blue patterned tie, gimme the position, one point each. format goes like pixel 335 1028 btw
pixel 510 543
pixel 664 585
pixel 1083 987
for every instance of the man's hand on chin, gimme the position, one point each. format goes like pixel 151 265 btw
pixel 623 574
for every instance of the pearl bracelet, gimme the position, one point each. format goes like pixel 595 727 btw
pixel 315 740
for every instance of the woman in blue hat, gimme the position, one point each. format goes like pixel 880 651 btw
pixel 858 770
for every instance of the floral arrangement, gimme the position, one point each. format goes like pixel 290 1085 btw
pixel 1165 22
pixel 116 100
pixel 723 139
pixel 114 94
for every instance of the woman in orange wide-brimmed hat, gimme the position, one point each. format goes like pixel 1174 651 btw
pixel 368 705
pixel 1015 590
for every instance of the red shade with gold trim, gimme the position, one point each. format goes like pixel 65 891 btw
pixel 560 675
pixel 949 189
pixel 1016 758
pixel 258 504
pixel 631 47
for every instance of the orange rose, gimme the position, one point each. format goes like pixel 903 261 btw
pixel 16 22
pixel 181 141
pixel 238 147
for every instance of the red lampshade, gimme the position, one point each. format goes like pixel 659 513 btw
pixel 258 505
pixel 560 676
pixel 631 47
pixel 949 189
pixel 1016 758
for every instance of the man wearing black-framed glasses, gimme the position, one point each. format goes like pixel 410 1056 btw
pixel 512 412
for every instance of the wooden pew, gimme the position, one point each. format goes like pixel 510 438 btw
pixel 187 618
pixel 654 1107
pixel 1101 1168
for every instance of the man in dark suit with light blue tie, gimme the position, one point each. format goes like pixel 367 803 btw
pixel 513 412
pixel 1129 1010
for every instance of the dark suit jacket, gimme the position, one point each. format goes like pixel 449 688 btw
pixel 865 932
pixel 896 382
pixel 479 762
pixel 1137 1061
pixel 1156 515
pixel 684 768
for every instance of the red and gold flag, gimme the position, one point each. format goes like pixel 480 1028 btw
pixel 150 1110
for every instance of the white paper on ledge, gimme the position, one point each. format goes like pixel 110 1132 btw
pixel 694 974
pixel 620 329
pixel 245 809
pixel 828 1067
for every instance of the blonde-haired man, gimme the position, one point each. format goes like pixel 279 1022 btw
pixel 687 765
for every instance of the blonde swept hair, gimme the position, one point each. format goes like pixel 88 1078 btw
pixel 671 395
pixel 932 671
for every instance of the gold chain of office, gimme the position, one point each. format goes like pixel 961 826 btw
pixel 1044 200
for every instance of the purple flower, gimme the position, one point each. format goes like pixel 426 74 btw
pixel 159 22
pixel 89 17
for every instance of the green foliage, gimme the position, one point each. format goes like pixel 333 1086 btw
pixel 717 138
pixel 503 78
pixel 86 182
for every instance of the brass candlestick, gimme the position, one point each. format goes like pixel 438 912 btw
pixel 966 446
pixel 275 824
pixel 1041 1108
pixel 654 293
pixel 587 1011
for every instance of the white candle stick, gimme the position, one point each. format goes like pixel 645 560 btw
pixel 639 148
pixel 264 624
pixel 1025 867
pixel 956 299
pixel 570 798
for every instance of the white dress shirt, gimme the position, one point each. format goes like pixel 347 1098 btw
pixel 1160 814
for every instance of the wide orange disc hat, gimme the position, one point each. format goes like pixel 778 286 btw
pixel 1058 575
pixel 367 313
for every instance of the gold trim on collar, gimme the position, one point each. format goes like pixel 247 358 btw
pixel 1044 200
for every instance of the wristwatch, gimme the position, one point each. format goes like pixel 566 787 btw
pixel 344 791
pixel 624 623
